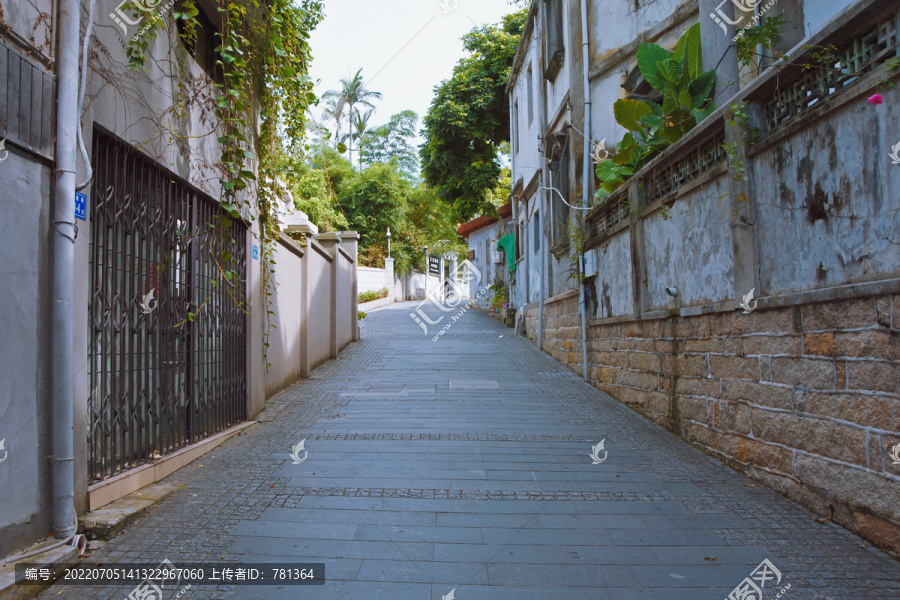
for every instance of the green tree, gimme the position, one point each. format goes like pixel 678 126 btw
pixel 468 121
pixel 312 194
pixel 353 92
pixel 374 200
pixel 312 187
pixel 392 141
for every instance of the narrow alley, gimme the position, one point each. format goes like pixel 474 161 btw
pixel 461 468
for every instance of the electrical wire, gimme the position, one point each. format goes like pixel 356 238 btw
pixel 561 197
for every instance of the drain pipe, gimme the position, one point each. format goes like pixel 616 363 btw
pixel 62 447
pixel 585 187
pixel 541 199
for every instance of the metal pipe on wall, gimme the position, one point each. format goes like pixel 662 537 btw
pixel 541 199
pixel 585 179
pixel 62 446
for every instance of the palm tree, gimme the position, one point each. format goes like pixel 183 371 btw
pixel 334 109
pixel 362 128
pixel 353 91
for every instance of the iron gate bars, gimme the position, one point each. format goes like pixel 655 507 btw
pixel 167 333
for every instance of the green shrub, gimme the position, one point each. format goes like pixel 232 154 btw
pixel 360 315
pixel 373 295
pixel 686 91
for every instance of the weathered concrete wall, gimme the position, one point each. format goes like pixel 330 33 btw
pixel 611 288
pixel 24 349
pixel 833 218
pixel 26 202
pixel 690 249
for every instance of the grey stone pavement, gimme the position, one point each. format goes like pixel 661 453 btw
pixel 463 465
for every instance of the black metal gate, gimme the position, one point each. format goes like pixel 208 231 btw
pixel 167 327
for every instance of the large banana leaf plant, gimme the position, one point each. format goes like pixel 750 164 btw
pixel 651 126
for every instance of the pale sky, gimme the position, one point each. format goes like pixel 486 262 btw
pixel 369 33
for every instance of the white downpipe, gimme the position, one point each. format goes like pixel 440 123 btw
pixel 89 31
pixel 541 198
pixel 585 178
pixel 62 446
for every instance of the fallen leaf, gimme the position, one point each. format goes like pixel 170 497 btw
pixel 711 557
pixel 750 485
pixel 822 520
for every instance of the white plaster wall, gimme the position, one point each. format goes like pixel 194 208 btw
pixel 371 279
pixel 319 317
pixel 285 348
pixel 535 256
pixel 616 23
pixel 343 301
pixel 526 161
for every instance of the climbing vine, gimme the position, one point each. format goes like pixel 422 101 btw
pixel 576 243
pixel 259 106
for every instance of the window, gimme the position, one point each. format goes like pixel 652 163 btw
pixel 530 82
pixel 638 88
pixel 516 124
pixel 559 178
pixel 554 48
pixel 203 47
pixel 536 219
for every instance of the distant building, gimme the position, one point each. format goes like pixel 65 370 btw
pixel 483 234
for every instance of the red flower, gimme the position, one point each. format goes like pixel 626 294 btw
pixel 876 99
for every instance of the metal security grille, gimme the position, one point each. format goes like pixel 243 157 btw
pixel 167 333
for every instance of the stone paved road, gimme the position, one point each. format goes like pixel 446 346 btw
pixel 462 464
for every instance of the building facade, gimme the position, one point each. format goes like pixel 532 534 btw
pixel 741 288
pixel 161 343
pixel 482 233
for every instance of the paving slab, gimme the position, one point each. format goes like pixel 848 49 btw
pixel 462 464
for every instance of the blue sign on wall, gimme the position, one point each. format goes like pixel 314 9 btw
pixel 80 206
pixel 255 252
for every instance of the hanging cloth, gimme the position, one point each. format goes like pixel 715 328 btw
pixel 508 244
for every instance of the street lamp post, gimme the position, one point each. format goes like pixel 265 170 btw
pixel 389 241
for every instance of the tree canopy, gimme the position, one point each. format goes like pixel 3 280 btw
pixel 392 141
pixel 468 122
